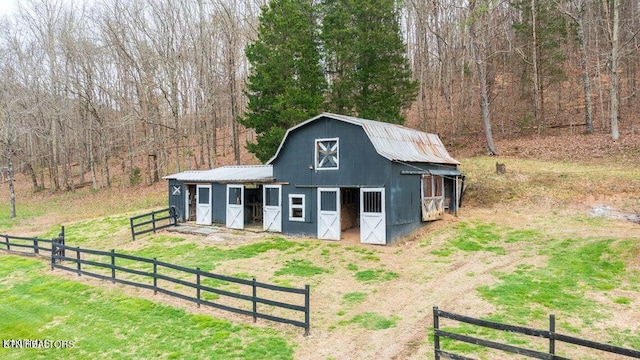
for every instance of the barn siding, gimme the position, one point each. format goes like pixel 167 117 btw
pixel 177 201
pixel 359 166
pixel 218 203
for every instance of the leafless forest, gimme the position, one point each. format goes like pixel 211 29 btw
pixel 155 86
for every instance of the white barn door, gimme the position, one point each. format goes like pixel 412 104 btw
pixel 235 206
pixel 329 213
pixel 373 226
pixel 203 205
pixel 272 208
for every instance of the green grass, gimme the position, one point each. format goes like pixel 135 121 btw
pixel 376 275
pixel 622 300
pixel 23 213
pixel 372 321
pixel 302 268
pixel 209 257
pixel 35 305
pixel 575 266
pixel 354 298
pixel 473 236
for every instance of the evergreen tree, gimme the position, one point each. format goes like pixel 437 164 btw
pixel 365 58
pixel 286 83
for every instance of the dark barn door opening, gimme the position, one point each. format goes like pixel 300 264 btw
pixel 191 202
pixel 350 213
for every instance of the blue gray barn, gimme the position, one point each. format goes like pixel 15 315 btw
pixel 331 175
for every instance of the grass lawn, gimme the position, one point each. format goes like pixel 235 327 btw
pixel 38 306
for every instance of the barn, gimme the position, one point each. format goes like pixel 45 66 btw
pixel 332 175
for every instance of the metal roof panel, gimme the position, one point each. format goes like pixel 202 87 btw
pixel 394 142
pixel 239 173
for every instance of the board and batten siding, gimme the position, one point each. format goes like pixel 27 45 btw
pixel 177 199
pixel 359 166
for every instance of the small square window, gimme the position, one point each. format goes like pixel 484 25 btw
pixel 296 207
pixel 327 154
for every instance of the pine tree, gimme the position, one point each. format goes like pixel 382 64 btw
pixel 286 83
pixel 365 58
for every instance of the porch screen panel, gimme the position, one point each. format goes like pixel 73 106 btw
pixel 432 185
pixel 328 201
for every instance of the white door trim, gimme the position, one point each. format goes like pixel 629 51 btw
pixel 272 214
pixel 235 208
pixel 373 225
pixel 329 220
pixel 203 210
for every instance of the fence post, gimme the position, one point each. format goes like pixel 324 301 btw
pixel 255 304
pixel 552 334
pixel 61 236
pixel 78 260
pixel 173 216
pixel 133 231
pixel 155 276
pixel 198 286
pixel 35 246
pixel 53 254
pixel 436 337
pixel 113 265
pixel 307 309
pixel 6 240
pixel 153 221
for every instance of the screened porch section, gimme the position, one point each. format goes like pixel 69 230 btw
pixel 432 197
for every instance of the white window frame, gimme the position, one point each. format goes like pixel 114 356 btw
pixel 315 150
pixel 297 206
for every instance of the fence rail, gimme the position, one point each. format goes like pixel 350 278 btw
pixel 546 334
pixel 86 262
pixel 153 221
pixel 251 302
pixel 38 247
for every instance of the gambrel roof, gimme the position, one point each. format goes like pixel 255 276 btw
pixel 394 142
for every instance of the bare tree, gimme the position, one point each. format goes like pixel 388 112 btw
pixel 481 51
pixel 575 10
pixel 613 31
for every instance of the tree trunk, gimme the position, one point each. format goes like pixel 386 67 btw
pixel 537 93
pixel 12 190
pixel 614 70
pixel 481 65
pixel 34 178
pixel 586 82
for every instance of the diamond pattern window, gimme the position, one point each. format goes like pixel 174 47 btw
pixel 327 154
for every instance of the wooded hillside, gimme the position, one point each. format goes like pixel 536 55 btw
pixel 156 86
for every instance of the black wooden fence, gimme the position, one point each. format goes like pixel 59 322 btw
pixel 550 334
pixel 32 245
pixel 153 221
pixel 242 296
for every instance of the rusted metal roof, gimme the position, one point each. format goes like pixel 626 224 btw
pixel 394 142
pixel 224 174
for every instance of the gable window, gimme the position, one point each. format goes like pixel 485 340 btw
pixel 296 207
pixel 327 154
